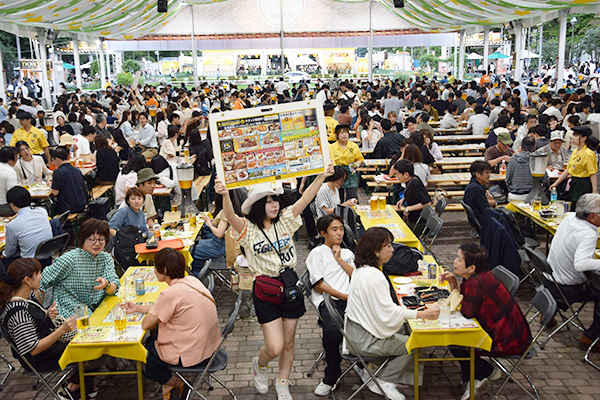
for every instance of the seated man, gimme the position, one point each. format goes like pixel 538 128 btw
pixel 330 268
pixel 415 198
pixel 478 122
pixel 84 142
pixel 411 126
pixel 476 194
pixel 27 230
pixel 518 172
pixel 449 122
pixel 8 178
pixel 573 252
pixel 501 151
pixel 67 184
pixel 389 144
pixel 423 122
pixel 558 155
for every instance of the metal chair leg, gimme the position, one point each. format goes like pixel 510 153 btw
pixel 10 369
pixel 224 385
pixel 586 358
pixel 320 357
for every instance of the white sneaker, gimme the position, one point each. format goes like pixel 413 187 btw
pixel 495 375
pixel 388 387
pixel 323 389
pixel 479 386
pixel 282 387
pixel 261 381
pixel 252 319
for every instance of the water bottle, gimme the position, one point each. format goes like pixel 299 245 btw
pixel 553 195
pixel 156 230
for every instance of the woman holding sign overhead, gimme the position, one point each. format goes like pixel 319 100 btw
pixel 277 301
pixel 348 156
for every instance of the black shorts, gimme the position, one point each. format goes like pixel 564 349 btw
pixel 267 312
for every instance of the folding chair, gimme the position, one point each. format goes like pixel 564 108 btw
pixel 45 378
pixel 352 355
pixel 205 277
pixel 10 369
pixel 62 218
pixel 538 260
pixel 57 243
pixel 440 206
pixel 217 362
pixel 476 231
pixel 594 280
pixel 306 289
pixel 508 279
pixel 424 215
pixel 218 267
pixel 433 228
pixel 546 305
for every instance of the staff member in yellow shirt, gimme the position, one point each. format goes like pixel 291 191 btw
pixel 32 135
pixel 582 166
pixel 347 155
pixel 330 122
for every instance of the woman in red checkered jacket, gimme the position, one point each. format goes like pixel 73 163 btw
pixel 486 299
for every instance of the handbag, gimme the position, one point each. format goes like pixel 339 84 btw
pixel 268 289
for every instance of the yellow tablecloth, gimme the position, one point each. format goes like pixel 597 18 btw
pixel 410 239
pixel 185 251
pixel 549 224
pixel 467 337
pixel 80 352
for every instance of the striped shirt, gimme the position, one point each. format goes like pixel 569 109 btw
pixel 21 326
pixel 325 198
pixel 263 259
pixel 73 276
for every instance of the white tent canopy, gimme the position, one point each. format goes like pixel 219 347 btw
pixel 305 60
pixel 474 56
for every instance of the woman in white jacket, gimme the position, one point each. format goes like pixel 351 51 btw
pixel 376 321
pixel 167 175
pixel 29 168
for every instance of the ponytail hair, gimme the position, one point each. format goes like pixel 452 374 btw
pixel 17 271
pixel 475 255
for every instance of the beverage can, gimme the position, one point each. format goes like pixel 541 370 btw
pixel 140 287
pixel 431 271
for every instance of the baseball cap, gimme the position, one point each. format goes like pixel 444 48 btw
pixel 556 135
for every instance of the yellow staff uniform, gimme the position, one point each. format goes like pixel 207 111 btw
pixel 35 139
pixel 331 124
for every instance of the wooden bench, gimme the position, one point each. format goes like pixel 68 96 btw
pixel 99 190
pixel 450 193
pixel 201 183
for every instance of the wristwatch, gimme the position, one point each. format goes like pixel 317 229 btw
pixel 108 283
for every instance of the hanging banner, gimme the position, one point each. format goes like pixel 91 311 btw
pixel 267 144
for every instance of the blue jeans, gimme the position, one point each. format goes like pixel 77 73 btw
pixel 207 248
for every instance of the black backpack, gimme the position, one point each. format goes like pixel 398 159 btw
pixel 351 230
pixel 124 245
pixel 204 159
pixel 404 260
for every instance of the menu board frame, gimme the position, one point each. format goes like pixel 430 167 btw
pixel 277 142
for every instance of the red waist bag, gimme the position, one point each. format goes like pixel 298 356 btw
pixel 268 289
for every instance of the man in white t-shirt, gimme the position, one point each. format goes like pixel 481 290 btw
pixel 88 134
pixel 478 122
pixel 330 268
pixel 281 86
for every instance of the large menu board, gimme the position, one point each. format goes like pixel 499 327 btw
pixel 265 144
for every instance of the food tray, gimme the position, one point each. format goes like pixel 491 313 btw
pixel 427 296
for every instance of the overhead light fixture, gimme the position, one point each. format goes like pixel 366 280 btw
pixel 51 34
pixel 399 3
pixel 162 6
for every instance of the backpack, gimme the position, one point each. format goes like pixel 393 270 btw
pixel 204 159
pixel 351 230
pixel 124 245
pixel 404 260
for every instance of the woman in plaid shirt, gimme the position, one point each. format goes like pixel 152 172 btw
pixel 498 313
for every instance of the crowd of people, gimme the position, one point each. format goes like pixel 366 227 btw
pixel 137 136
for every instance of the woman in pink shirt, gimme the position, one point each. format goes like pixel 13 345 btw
pixel 186 315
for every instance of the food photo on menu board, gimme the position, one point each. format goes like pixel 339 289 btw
pixel 270 143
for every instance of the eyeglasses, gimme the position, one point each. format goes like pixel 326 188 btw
pixel 94 240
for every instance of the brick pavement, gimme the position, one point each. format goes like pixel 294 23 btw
pixel 557 371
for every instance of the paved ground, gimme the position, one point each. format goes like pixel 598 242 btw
pixel 557 371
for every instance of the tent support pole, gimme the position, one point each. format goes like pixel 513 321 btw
pixel 562 40
pixel 518 51
pixel 76 59
pixel 100 45
pixel 370 58
pixel 541 40
pixel 461 56
pixel 486 48
pixel 281 39
pixel 194 51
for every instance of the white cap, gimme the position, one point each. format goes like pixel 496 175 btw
pixel 556 135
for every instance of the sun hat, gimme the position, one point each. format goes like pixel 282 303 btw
pixel 145 174
pixel 556 135
pixel 504 138
pixel 66 140
pixel 259 191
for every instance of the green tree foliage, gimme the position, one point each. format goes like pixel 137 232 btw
pixel 131 66
pixel 94 67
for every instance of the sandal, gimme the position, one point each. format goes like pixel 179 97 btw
pixel 166 391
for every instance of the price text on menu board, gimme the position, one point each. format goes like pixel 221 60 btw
pixel 257 146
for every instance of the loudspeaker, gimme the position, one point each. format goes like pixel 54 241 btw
pixel 162 6
pixel 399 3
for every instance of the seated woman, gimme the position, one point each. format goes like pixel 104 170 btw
pixel 186 315
pixel 131 215
pixel 486 299
pixel 30 168
pixel 37 333
pixel 328 196
pixel 421 170
pixel 169 148
pixel 376 321
pixel 107 161
pixel 84 275
pixel 167 175
pixel 127 178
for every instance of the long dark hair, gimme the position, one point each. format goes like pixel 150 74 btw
pixel 158 164
pixel 258 214
pixel 135 163
pixel 371 242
